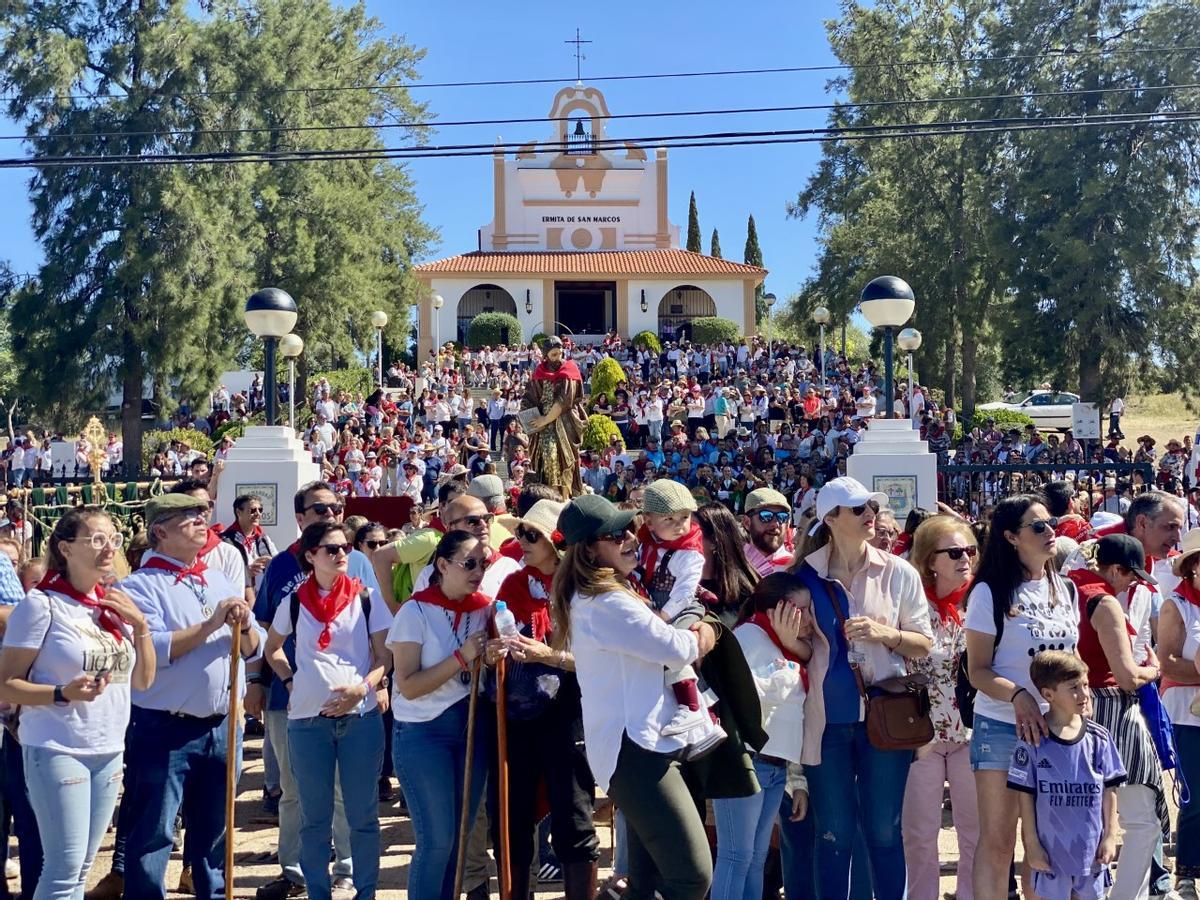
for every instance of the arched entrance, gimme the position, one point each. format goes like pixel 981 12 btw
pixel 678 307
pixel 484 298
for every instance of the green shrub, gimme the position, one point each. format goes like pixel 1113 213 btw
pixel 1005 419
pixel 606 375
pixel 235 428
pixel 649 340
pixel 598 432
pixel 490 329
pixel 713 329
pixel 539 339
pixel 353 381
pixel 152 440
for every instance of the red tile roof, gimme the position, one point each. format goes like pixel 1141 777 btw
pixel 597 262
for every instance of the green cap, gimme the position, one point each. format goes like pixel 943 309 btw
pixel 664 497
pixel 590 516
pixel 165 505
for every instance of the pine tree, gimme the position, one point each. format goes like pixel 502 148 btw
pixel 752 256
pixel 715 245
pixel 693 239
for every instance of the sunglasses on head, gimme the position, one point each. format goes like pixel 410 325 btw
pixel 335 550
pixel 957 552
pixel 1040 526
pixel 528 535
pixel 322 509
pixel 767 516
pixel 471 564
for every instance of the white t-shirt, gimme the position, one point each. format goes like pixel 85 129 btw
pixel 346 661
pixel 433 628
pixel 70 643
pixel 1037 624
pixel 1178 700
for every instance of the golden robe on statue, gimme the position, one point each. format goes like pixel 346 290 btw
pixel 556 387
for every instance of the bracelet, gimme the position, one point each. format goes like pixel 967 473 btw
pixel 142 634
pixel 462 660
pixel 1019 690
pixel 256 679
pixel 287 680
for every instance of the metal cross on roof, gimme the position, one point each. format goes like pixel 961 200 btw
pixel 579 55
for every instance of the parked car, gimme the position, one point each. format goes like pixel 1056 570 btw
pixel 1049 410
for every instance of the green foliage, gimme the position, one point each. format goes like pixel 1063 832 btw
pixel 1005 419
pixel 693 232
pixel 711 329
pixel 714 247
pixel 606 375
pixel 649 340
pixel 153 440
pixel 235 428
pixel 598 432
pixel 752 255
pixel 488 329
pixel 354 381
pixel 539 338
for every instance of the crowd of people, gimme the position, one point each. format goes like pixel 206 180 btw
pixel 709 642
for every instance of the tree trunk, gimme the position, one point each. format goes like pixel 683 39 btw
pixel 968 373
pixel 131 406
pixel 948 375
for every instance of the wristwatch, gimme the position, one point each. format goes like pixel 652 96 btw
pixel 60 699
pixel 383 684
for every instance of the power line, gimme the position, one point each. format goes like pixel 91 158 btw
pixel 758 110
pixel 773 70
pixel 729 139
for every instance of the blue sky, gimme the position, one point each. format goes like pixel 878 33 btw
pixel 467 41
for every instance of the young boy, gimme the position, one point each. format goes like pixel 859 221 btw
pixel 1068 787
pixel 672 559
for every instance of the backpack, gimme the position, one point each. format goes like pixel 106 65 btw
pixel 964 691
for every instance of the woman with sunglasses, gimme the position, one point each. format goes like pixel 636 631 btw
pixel 72 650
pixel 871 615
pixel 620 648
pixel 336 691
pixel 545 719
pixel 944 553
pixel 435 639
pixel 367 540
pixel 1017 592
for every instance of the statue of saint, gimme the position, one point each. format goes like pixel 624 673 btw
pixel 556 391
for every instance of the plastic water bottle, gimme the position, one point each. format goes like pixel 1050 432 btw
pixel 506 623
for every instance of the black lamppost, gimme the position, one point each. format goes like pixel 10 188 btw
pixel 887 303
pixel 270 314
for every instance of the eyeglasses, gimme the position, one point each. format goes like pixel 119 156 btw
pixel 616 537
pixel 474 521
pixel 471 564
pixel 957 552
pixel 255 511
pixel 1040 526
pixel 375 545
pixel 337 549
pixel 323 509
pixel 100 541
pixel 528 535
pixel 767 516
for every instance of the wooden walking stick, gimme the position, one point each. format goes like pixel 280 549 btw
pixel 464 824
pixel 503 865
pixel 235 657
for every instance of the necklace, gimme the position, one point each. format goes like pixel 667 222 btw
pixel 464 677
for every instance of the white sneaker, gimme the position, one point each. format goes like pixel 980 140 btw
pixel 684 721
pixel 1185 889
pixel 704 739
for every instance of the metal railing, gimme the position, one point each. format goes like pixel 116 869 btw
pixel 980 486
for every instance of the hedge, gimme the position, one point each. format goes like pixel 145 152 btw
pixel 488 329
pixel 714 329
pixel 649 340
pixel 598 432
pixel 1005 419
pixel 152 440
pixel 606 375
pixel 353 381
pixel 539 339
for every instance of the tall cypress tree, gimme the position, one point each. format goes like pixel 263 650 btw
pixel 694 240
pixel 752 256
pixel 715 245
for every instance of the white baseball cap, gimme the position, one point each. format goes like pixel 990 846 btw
pixel 845 491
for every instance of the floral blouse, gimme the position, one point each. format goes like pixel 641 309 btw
pixel 949 640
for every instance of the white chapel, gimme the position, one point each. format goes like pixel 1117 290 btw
pixel 580 244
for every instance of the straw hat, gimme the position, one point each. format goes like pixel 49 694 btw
pixel 542 518
pixel 1189 546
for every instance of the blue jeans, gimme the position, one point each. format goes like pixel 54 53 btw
pixel 796 847
pixel 73 798
pixel 165 752
pixel 1187 849
pixel 857 786
pixel 15 795
pixel 352 748
pixel 744 826
pixel 270 762
pixel 430 759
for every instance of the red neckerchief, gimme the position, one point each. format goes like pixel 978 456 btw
pixel 692 539
pixel 763 621
pixel 950 606
pixel 903 544
pixel 210 543
pixel 196 569
pixel 1188 592
pixel 517 591
pixel 1075 527
pixel 566 371
pixel 326 609
pixel 248 539
pixel 434 596
pixel 108 619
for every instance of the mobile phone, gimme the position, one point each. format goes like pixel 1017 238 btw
pixel 101 675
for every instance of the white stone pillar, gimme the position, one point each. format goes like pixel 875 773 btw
pixel 892 458
pixel 271 463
